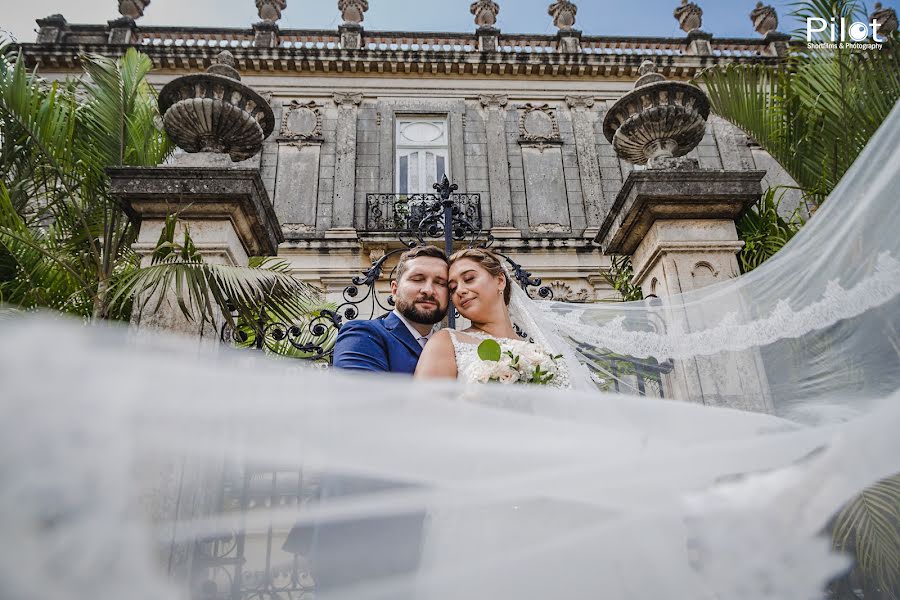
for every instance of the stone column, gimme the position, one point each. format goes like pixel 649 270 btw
pixel 679 229
pixel 52 29
pixel 494 109
pixel 265 34
pixel 226 210
pixel 595 206
pixel 344 166
pixel 698 43
pixel 351 36
pixel 488 39
pixel 122 31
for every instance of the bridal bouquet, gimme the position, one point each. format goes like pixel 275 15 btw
pixel 519 363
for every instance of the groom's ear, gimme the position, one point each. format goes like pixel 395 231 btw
pixel 393 287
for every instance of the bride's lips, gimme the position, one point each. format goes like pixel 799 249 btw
pixel 466 302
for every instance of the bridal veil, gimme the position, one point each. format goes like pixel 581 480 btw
pixel 137 470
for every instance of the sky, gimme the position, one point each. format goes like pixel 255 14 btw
pixel 722 18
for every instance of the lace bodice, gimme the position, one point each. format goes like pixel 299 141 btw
pixel 465 347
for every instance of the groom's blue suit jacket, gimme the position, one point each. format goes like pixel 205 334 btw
pixel 380 345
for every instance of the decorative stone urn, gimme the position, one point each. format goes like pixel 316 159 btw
pixel 689 15
pixel 270 10
pixel 215 112
pixel 657 121
pixel 563 13
pixel 133 9
pixel 764 18
pixel 485 12
pixel 886 17
pixel 353 11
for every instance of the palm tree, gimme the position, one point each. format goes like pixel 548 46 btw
pixel 65 243
pixel 815 111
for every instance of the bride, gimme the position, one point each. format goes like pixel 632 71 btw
pixel 482 292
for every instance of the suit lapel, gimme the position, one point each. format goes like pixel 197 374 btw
pixel 399 330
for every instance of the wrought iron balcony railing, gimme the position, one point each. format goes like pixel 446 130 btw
pixel 409 212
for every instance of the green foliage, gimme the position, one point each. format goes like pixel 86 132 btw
pixel 65 243
pixel 868 527
pixel 489 350
pixel 764 231
pixel 815 112
pixel 619 276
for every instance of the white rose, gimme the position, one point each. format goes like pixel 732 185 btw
pixel 481 371
pixel 508 376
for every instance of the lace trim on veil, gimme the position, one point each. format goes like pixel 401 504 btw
pixel 783 322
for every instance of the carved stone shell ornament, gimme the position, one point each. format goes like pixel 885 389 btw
pixel 689 15
pixel 764 18
pixel 886 17
pixel 659 119
pixel 215 112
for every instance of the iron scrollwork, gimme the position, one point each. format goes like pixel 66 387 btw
pixel 415 219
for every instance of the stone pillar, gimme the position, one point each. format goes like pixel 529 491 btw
pixel 569 42
pixel 488 39
pixel 494 106
pixel 344 166
pixel 52 29
pixel 351 36
pixel 595 206
pixel 698 43
pixel 778 43
pixel 226 210
pixel 265 34
pixel 122 31
pixel 679 228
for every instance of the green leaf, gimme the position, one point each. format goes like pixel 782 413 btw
pixel 489 350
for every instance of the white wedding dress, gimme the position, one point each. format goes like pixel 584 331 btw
pixel 465 348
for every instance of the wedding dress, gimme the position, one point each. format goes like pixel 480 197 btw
pixel 149 469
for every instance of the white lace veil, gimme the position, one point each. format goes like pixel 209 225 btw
pixel 160 471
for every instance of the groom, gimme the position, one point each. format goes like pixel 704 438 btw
pixel 393 343
pixel 357 551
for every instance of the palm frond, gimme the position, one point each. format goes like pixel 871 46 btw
pixel 869 527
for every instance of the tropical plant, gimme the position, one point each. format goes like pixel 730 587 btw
pixel 868 527
pixel 764 230
pixel 65 243
pixel 619 276
pixel 815 111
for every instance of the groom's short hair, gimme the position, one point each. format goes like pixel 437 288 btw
pixel 418 251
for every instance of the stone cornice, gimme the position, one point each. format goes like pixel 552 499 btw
pixel 526 56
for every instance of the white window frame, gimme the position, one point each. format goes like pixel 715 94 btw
pixel 440 148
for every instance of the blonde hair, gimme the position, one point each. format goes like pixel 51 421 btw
pixel 490 262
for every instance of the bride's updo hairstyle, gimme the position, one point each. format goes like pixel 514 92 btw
pixel 490 262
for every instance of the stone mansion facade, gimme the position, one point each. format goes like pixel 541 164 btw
pixel 365 119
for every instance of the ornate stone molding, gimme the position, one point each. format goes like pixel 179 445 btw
pixel 580 102
pixel 689 15
pixel 564 292
pixel 353 11
pixel 563 13
pixel 485 12
pixel 347 98
pixel 133 9
pixel 301 123
pixel 764 19
pixel 493 100
pixel 270 10
pixel 297 228
pixel 539 125
pixel 886 17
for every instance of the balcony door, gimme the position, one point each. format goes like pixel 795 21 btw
pixel 423 155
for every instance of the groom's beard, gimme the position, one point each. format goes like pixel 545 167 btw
pixel 421 315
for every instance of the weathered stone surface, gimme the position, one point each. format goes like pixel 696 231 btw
pixel 548 207
pixel 764 18
pixel 596 207
pixel 345 160
pixel 485 12
pixel 497 164
pixel 563 13
pixel 353 11
pixel 648 196
pixel 658 119
pixel 235 195
pixel 297 185
pixel 215 112
pixel 689 15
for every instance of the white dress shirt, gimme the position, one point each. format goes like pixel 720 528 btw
pixel 422 339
